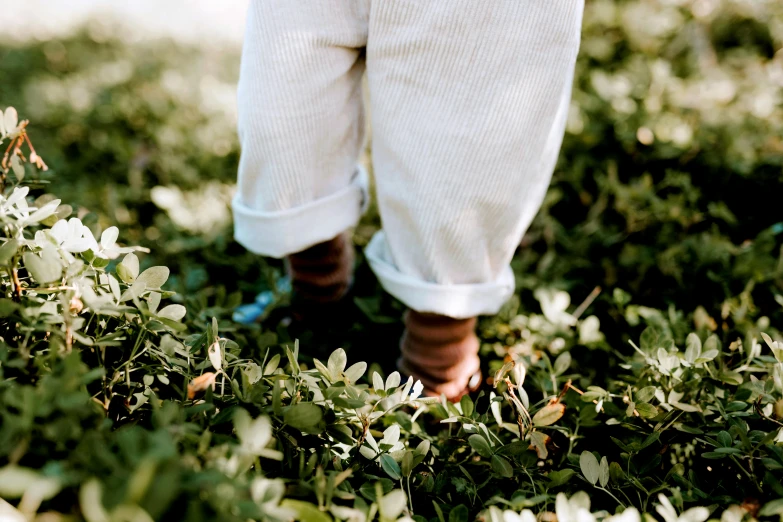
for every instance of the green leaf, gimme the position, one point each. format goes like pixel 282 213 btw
pixel 154 277
pixel 693 348
pixel 467 406
pixel 724 439
pixel 423 448
pixel 731 377
pixel 18 168
pixel 407 463
pixel 538 440
pixel 459 514
pixel 391 505
pixel 114 285
pixel 501 466
pixel 337 362
pixel 646 410
pixel 645 394
pixel 651 438
pixel 390 466
pixel 368 489
pixel 305 512
pixel 153 301
pixel 713 455
pixel 480 445
pixel 272 364
pixel 377 382
pixel 44 269
pixel 438 511
pixel 621 445
pixel 562 363
pixel 91 502
pixel 277 398
pixel 649 339
pixel 355 372
pixel 729 451
pixel 558 478
pixel 603 472
pixel 175 312
pixel 549 414
pixel 772 508
pixel 323 370
pixel 130 268
pixel 341 433
pixel 7 307
pixel 303 416
pixel 687 429
pixel 712 344
pixel 8 251
pixel 124 273
pixel 616 472
pixel 590 467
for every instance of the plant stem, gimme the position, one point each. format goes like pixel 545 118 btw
pixel 611 495
pixel 17 284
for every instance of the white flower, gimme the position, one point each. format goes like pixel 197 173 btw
pixel 575 509
pixel 418 387
pixel 391 437
pixel 775 346
pixel 519 372
pixel 341 451
pixel 17 198
pixel 370 448
pixel 73 237
pixel 215 357
pixel 735 513
pixel 669 514
pixel 108 249
pixel 17 207
pixel 629 515
pixel 9 123
pixel 9 513
pixel 554 304
pixel 525 516
pixel 392 381
pixel 254 435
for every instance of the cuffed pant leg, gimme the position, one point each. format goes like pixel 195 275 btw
pixel 469 102
pixel 300 124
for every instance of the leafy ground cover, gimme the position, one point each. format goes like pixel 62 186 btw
pixel 636 373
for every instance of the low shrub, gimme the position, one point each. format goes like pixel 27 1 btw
pixel 635 374
pixel 118 404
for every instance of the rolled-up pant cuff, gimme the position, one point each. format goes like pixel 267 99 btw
pixel 458 301
pixel 280 233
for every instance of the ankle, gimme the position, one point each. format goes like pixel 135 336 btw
pixel 441 352
pixel 322 274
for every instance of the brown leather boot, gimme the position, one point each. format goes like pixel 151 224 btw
pixel 442 353
pixel 321 275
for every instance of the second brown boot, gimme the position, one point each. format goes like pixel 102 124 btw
pixel 441 352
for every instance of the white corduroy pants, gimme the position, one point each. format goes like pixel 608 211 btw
pixel 469 100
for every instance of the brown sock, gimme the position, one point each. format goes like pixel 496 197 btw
pixel 322 273
pixel 441 352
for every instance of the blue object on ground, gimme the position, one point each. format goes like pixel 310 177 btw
pixel 250 313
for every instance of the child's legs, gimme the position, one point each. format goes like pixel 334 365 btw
pixel 469 102
pixel 300 124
